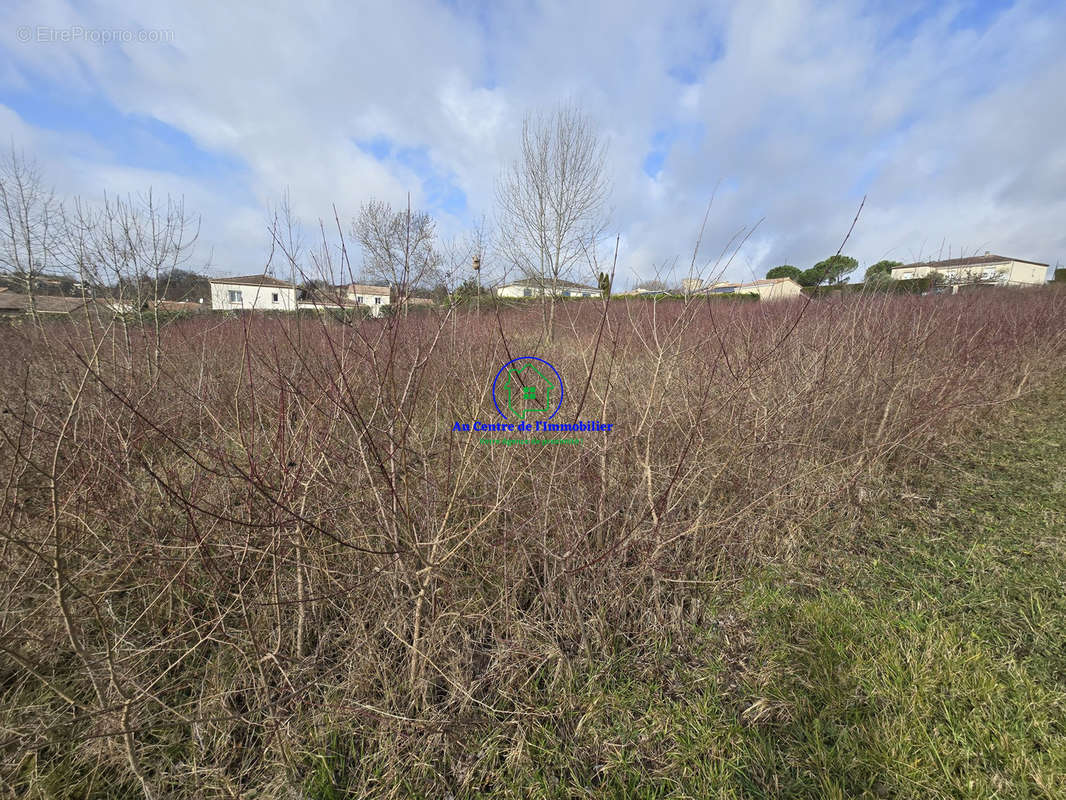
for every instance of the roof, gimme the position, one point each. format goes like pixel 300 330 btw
pixel 368 288
pixel 971 261
pixel 255 280
pixel 561 284
pixel 46 304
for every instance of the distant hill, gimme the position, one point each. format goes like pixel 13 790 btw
pixel 175 285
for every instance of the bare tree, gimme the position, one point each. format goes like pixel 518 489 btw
pixel 467 259
pixel 399 247
pixel 287 236
pixel 553 201
pixel 133 245
pixel 29 215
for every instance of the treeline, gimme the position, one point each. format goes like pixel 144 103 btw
pixel 175 285
pixel 833 271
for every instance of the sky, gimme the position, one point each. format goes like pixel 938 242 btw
pixel 948 117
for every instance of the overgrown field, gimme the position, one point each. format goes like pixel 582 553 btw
pixel 252 557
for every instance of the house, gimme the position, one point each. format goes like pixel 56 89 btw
pixel 691 285
pixel 535 287
pixel 989 270
pixel 372 298
pixel 12 303
pixel 376 296
pixel 765 288
pixel 642 290
pixel 253 293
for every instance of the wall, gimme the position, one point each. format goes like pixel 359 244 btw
pixel 253 298
pixel 774 291
pixel 363 299
pixel 519 291
pixel 1015 273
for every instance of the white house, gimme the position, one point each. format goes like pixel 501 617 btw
pixel 988 269
pixel 253 293
pixel 765 288
pixel 539 288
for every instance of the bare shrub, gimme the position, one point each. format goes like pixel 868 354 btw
pixel 271 543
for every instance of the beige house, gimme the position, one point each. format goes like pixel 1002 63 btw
pixel 538 288
pixel 253 293
pixel 372 298
pixel 765 288
pixel 988 269
pixel 370 295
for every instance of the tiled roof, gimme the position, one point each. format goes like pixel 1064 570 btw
pixel 368 288
pixel 255 280
pixel 561 284
pixel 971 261
pixel 46 304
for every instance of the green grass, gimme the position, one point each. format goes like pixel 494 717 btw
pixel 920 654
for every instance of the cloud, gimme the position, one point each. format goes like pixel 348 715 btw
pixel 944 115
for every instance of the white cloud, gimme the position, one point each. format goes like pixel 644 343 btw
pixel 951 129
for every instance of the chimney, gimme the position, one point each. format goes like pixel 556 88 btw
pixel 987 253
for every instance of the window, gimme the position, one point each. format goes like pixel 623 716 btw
pixel 529 392
pixel 235 296
pixel 358 299
pixel 527 293
pixel 586 294
pixel 906 276
pixel 377 301
pixel 274 297
pixel 566 292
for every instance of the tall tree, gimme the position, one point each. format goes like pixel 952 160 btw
pixel 604 282
pixel 785 271
pixel 399 246
pixel 136 245
pixel 553 201
pixel 834 269
pixel 881 268
pixel 28 216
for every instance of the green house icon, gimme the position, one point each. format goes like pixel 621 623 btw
pixel 528 391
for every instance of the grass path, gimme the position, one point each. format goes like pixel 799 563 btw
pixel 921 654
pixel 929 658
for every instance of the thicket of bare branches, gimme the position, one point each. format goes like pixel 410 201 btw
pixel 269 547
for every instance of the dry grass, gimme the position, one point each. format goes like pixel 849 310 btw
pixel 226 555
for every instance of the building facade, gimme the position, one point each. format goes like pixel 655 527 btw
pixel 988 269
pixel 376 298
pixel 765 288
pixel 535 288
pixel 253 293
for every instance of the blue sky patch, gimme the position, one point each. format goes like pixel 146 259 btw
pixel 438 184
pixel 133 140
